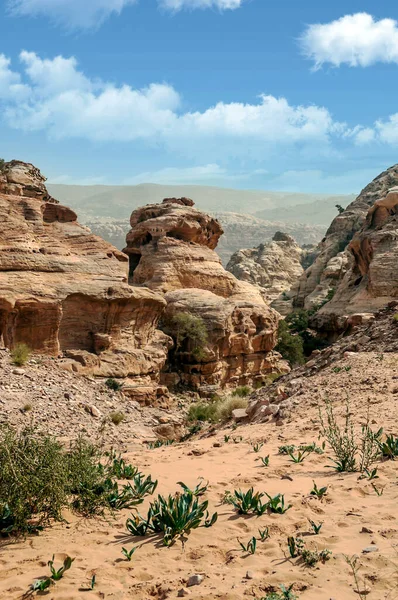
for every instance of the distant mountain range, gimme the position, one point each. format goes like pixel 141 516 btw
pixel 249 217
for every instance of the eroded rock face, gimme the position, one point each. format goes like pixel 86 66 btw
pixel 335 259
pixel 371 278
pixel 171 250
pixel 272 267
pixel 65 291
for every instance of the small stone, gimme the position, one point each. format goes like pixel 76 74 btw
pixel 183 592
pixel 366 530
pixel 249 575
pixel 370 549
pixel 217 445
pixel 195 580
pixel 18 371
pixel 94 411
pixel 239 414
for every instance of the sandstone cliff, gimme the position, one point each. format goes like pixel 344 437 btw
pixel 272 267
pixel 171 250
pixel 334 258
pixel 64 290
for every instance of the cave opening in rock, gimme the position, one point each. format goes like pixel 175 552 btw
pixel 134 260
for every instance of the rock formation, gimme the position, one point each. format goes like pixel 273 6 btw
pixel 272 267
pixel 334 258
pixel 64 290
pixel 171 250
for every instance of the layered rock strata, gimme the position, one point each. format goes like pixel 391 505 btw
pixel 171 250
pixel 274 268
pixel 65 291
pixel 336 258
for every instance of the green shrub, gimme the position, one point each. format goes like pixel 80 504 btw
pixel 33 480
pixel 395 318
pixel 189 333
pixel 242 391
pixel 203 411
pixel 112 384
pixel 117 417
pixel 289 346
pixel 2 164
pixel 173 516
pixel 220 409
pixel 20 354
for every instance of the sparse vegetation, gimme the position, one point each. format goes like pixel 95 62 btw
pixel 57 574
pixel 247 502
pixel 353 563
pixel 173 517
pixel 257 446
pixel 2 164
pixel 20 354
pixel 39 478
pixel 389 447
pixel 117 417
pixel 318 492
pixel 219 409
pixel 27 407
pixel 265 460
pixel 276 504
pixel 289 345
pixel 250 547
pixel 189 333
pixel 284 594
pixel 242 391
pixel 113 385
pixel 340 209
pixel 128 554
pixel 316 527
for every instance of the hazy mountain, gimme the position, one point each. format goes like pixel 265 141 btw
pixel 248 217
pixel 118 202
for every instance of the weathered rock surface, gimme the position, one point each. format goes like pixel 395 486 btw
pixel 171 250
pixel 64 290
pixel 335 257
pixel 273 267
pixel 371 278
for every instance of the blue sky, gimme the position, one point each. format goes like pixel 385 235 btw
pixel 287 95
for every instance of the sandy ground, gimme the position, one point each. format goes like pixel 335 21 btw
pixel 157 572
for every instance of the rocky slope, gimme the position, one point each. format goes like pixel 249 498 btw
pixel 64 290
pixel 337 257
pixel 272 267
pixel 171 250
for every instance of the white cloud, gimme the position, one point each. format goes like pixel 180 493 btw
pixel 210 173
pixel 11 87
pixel 192 4
pixel 355 40
pixel 87 14
pixel 66 104
pixel 83 14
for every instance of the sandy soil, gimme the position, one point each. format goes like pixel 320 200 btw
pixel 350 506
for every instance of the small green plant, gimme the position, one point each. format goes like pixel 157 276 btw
pixel 198 491
pixel 300 457
pixel 290 345
pixel 395 318
pixel 242 391
pixel 295 545
pixel 20 354
pixel 389 447
pixel 227 438
pixel 287 449
pixel 189 332
pixel 316 528
pixel 247 502
pixel 257 446
pixel 313 447
pixel 379 491
pixel 119 468
pixel 264 534
pixel 318 492
pixel 276 504
pixel 237 439
pixel 250 547
pixel 340 208
pixel 370 475
pixel 353 563
pixel 113 385
pixel 57 574
pixel 41 585
pixel 27 408
pixel 312 557
pixel 173 516
pixel 265 460
pixel 284 594
pixel 128 554
pixel 341 439
pixel 117 417
pixel 159 444
pixel 92 583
